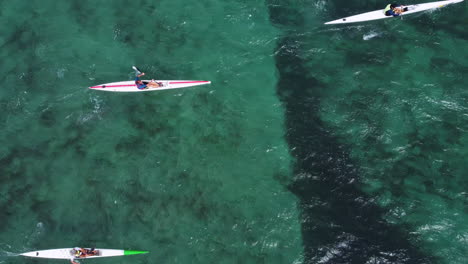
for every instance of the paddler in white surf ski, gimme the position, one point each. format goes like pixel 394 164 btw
pixel 144 85
pixel 82 253
pixel 394 10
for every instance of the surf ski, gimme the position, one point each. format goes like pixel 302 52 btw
pixel 70 253
pixel 130 86
pixel 380 14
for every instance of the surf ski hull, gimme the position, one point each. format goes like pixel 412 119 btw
pixel 379 14
pixel 129 86
pixel 67 253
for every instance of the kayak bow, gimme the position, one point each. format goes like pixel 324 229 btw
pixel 134 252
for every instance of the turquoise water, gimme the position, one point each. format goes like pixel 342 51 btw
pixel 313 144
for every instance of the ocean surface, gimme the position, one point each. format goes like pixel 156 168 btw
pixel 313 144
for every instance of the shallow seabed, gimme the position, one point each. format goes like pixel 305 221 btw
pixel 313 144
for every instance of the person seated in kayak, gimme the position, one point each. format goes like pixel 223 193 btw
pixel 395 10
pixel 145 85
pixel 84 252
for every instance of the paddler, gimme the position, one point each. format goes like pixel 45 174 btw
pixel 141 85
pixel 77 253
pixel 394 10
pixel 82 253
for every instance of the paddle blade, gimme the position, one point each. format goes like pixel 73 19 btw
pixel 136 69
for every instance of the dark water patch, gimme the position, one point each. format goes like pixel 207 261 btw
pixel 439 64
pixel 75 136
pixel 285 15
pixel 445 19
pixel 43 210
pixel 102 162
pixel 21 38
pixel 366 58
pixel 146 127
pixel 4 108
pixel 82 12
pixel 369 54
pixel 47 118
pixel 97 226
pixel 15 192
pixel 338 211
pixel 340 223
pixel 134 143
pixel 161 204
pixel 13 164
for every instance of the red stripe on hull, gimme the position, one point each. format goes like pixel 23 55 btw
pixel 188 82
pixel 110 86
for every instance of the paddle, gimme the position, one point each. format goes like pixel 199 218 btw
pixel 138 72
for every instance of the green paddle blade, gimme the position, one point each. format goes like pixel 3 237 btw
pixel 134 252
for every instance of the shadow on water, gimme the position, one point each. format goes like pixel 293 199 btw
pixel 340 223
